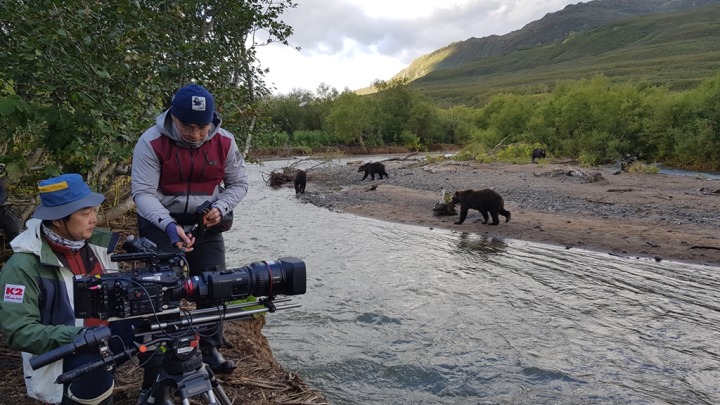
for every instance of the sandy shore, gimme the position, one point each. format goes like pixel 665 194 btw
pixel 635 215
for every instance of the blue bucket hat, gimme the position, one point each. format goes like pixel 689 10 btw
pixel 193 104
pixel 61 196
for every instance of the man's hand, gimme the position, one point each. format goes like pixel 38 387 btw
pixel 213 217
pixel 178 238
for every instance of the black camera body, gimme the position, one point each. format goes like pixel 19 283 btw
pixel 162 283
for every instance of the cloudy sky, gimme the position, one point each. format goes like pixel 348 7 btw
pixel 351 43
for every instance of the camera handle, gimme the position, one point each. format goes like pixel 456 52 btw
pixel 86 338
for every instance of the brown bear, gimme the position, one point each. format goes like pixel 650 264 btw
pixel 485 201
pixel 373 168
pixel 299 181
pixel 538 154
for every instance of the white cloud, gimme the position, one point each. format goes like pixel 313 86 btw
pixel 351 43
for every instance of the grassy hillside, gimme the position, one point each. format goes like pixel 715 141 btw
pixel 553 27
pixel 676 49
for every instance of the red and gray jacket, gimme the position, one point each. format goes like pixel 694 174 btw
pixel 172 178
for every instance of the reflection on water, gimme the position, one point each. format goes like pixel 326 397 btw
pixel 480 244
pixel 398 314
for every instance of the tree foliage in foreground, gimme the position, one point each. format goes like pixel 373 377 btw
pixel 80 80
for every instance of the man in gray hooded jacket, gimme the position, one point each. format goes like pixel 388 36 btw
pixel 185 160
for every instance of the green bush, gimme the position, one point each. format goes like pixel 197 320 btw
pixel 642 167
pixel 473 151
pixel 274 139
pixel 410 140
pixel 313 139
pixel 517 152
pixel 588 158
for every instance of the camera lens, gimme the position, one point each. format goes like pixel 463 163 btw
pixel 284 276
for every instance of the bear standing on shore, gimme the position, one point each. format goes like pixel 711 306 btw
pixel 299 181
pixel 372 169
pixel 538 154
pixel 485 201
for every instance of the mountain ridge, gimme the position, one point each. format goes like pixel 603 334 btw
pixel 553 27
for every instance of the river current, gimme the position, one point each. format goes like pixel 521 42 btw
pixel 399 314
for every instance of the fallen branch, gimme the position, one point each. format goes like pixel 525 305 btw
pixel 705 247
pixel 573 172
pixel 707 191
pixel 600 202
pixel 405 158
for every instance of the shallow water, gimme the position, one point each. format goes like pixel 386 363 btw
pixel 398 314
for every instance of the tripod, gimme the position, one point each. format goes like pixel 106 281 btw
pixel 184 375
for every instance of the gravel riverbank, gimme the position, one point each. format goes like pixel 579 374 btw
pixel 637 215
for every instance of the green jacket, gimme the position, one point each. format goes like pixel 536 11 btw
pixel 37 306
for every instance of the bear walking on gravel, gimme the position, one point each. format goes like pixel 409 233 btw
pixel 538 154
pixel 485 201
pixel 299 181
pixel 372 169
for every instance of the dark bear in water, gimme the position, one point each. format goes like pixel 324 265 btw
pixel 299 181
pixel 485 201
pixel 538 154
pixel 372 169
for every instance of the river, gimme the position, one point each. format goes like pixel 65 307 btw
pixel 399 314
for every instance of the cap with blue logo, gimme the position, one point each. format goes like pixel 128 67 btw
pixel 61 196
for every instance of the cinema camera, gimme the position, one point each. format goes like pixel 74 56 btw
pixel 159 286
pixel 152 295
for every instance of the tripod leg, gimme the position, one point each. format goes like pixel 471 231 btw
pixel 221 396
pixel 157 395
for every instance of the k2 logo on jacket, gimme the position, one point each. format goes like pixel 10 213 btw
pixel 14 293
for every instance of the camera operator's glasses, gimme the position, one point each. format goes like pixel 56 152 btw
pixel 191 129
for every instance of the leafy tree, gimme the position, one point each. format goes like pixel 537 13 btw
pixel 457 124
pixel 507 115
pixel 395 101
pixel 424 122
pixel 351 119
pixel 89 77
pixel 696 127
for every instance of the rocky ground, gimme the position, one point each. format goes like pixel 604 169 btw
pixel 637 215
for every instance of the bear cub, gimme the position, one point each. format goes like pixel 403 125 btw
pixel 486 201
pixel 372 169
pixel 299 181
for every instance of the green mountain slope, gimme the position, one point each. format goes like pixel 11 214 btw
pixel 676 49
pixel 575 18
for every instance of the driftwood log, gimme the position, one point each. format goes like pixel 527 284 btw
pixel 587 177
pixel 281 176
pixel 442 208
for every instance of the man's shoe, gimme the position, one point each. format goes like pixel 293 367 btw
pixel 217 362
